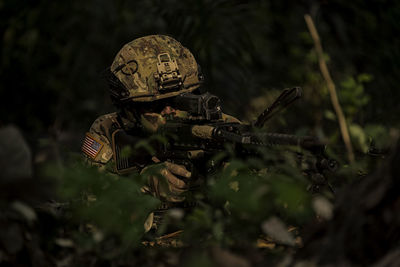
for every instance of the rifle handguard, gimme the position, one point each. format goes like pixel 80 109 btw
pixel 211 132
pixel 264 139
pixel 203 131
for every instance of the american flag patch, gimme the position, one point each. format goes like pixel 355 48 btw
pixel 91 146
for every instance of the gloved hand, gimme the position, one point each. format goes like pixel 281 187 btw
pixel 171 183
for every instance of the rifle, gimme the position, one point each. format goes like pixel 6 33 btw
pixel 194 141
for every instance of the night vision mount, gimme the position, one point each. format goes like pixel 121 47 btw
pixel 167 76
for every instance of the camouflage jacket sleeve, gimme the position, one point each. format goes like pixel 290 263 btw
pixel 97 146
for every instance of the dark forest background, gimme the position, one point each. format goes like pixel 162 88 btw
pixel 53 53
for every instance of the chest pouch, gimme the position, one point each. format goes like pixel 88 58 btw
pixel 128 156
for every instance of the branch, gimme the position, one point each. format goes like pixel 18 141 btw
pixel 331 87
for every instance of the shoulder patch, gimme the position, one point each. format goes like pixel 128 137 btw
pixel 91 146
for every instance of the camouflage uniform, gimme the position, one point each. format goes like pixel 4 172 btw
pixel 144 71
pixel 101 132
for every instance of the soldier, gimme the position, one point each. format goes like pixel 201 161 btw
pixel 144 76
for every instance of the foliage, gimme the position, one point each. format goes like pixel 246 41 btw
pixel 114 205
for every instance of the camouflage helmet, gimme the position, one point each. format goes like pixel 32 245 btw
pixel 153 67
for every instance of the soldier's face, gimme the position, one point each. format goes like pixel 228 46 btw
pixel 168 110
pixel 162 107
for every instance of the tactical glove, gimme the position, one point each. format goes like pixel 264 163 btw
pixel 169 182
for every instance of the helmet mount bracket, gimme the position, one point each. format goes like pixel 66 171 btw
pixel 167 77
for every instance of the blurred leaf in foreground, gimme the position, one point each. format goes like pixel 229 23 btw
pixel 111 204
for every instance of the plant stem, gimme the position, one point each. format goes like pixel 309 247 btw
pixel 331 87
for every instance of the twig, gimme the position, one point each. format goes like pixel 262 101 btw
pixel 331 87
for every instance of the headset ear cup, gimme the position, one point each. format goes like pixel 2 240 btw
pixel 116 88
